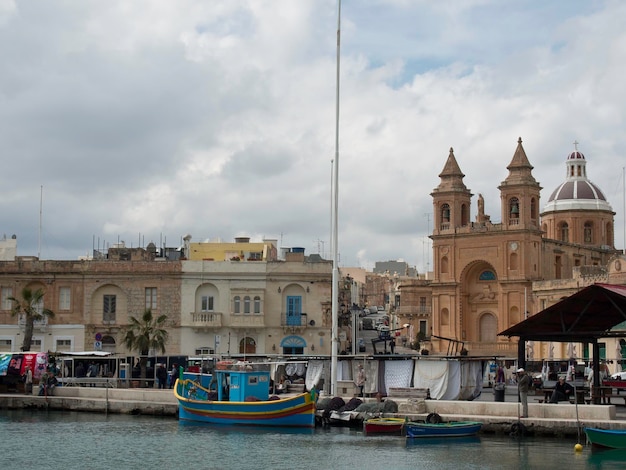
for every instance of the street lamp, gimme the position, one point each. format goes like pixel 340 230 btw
pixel 355 314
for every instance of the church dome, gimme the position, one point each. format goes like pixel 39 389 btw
pixel 577 192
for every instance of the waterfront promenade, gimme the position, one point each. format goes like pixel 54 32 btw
pixel 497 417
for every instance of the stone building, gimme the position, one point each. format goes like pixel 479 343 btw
pixel 484 271
pixel 252 304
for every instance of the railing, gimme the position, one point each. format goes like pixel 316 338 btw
pixel 206 319
pixel 505 348
pixel 294 319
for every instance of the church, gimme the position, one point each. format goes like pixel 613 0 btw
pixel 489 275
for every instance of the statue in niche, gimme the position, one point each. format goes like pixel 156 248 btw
pixel 481 218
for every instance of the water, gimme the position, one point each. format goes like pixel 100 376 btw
pixel 70 440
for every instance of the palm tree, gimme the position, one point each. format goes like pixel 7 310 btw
pixel 145 334
pixel 31 306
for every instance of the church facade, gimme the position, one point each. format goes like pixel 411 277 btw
pixel 487 273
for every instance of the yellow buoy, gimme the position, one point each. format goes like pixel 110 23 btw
pixel 578 448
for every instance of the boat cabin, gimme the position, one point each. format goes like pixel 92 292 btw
pixel 238 383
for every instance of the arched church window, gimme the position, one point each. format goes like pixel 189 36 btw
pixel 514 208
pixel 533 208
pixel 445 213
pixel 487 275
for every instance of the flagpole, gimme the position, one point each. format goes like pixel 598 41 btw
pixel 335 246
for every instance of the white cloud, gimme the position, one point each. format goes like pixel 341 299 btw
pixel 165 118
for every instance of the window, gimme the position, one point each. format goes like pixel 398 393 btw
pixel 423 329
pixel 423 305
pixel 257 305
pixel 35 344
pixel 564 232
pixel 246 305
pixel 487 276
pixel 63 344
pixel 108 308
pixel 588 229
pixel 6 303
pixel 207 303
pixel 294 310
pixel 237 304
pixel 6 345
pixel 151 298
pixel 38 306
pixel 445 213
pixel 64 298
pixel 513 208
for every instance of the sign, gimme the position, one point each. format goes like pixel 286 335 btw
pixel 97 345
pixel 98 336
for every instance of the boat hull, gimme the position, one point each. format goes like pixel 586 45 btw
pixel 452 429
pixel 608 438
pixel 296 411
pixel 383 426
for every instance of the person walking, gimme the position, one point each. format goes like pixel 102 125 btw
pixel 360 379
pixel 523 383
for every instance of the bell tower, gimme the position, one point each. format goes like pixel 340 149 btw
pixel 519 194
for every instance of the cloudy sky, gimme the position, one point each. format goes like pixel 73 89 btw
pixel 152 119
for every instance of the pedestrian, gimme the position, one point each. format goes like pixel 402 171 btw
pixel 28 381
pixel 523 383
pixel 161 375
pixel 360 379
pixel 173 375
pixel 392 345
pixel 80 370
pixel 93 371
pixel 500 375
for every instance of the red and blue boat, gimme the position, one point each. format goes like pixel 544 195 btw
pixel 239 395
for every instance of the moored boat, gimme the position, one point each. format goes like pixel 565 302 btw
pixel 451 429
pixel 383 426
pixel 609 438
pixel 239 395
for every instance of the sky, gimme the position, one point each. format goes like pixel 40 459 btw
pixel 148 120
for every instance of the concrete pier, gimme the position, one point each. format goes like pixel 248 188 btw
pixel 497 417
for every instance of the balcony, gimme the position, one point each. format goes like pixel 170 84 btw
pixel 246 321
pixel 206 319
pixel 294 322
pixel 37 324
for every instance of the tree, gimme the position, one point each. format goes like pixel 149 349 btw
pixel 145 334
pixel 31 306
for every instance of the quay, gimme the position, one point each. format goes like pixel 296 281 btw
pixel 497 417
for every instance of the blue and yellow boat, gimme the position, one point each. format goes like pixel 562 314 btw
pixel 239 395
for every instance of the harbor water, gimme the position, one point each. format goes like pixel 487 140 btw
pixel 71 440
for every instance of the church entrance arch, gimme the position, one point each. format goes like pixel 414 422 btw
pixel 479 299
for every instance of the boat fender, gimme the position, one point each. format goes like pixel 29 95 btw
pixel 433 418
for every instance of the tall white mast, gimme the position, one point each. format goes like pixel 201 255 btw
pixel 335 245
pixel 40 218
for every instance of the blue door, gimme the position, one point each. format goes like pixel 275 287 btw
pixel 294 310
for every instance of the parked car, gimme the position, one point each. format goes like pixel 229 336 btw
pixel 361 345
pixel 619 376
